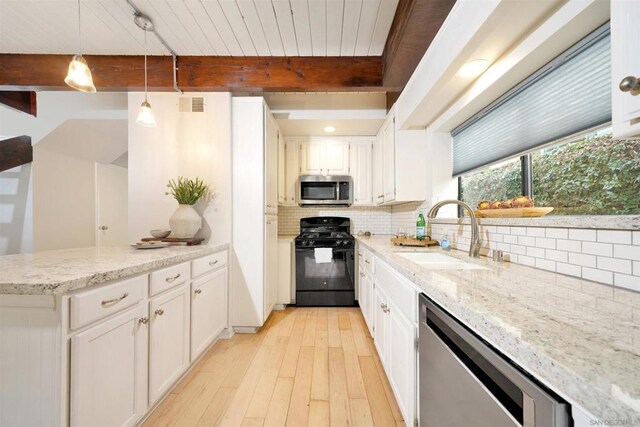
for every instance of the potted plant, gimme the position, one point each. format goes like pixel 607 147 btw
pixel 185 221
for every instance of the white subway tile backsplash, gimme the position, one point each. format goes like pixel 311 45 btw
pixel 518 249
pixel 526 241
pixel 636 268
pixel 503 230
pixel 503 247
pixel 627 252
pixel 569 269
pixel 614 236
pixel 569 245
pixel 510 239
pixel 557 255
pixel 614 264
pixel 535 252
pixel 545 264
pixel 636 237
pixel 583 260
pixel 582 234
pixel 557 233
pixel 535 231
pixel 527 260
pixel 603 249
pixel 543 242
pixel 597 275
pixel 519 231
pixel 626 281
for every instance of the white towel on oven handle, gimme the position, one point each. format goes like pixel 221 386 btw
pixel 323 255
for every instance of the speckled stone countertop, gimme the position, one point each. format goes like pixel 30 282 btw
pixel 580 338
pixel 56 272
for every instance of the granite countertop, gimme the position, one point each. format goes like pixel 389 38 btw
pixel 580 338
pixel 287 236
pixel 60 271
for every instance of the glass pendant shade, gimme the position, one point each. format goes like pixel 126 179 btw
pixel 79 75
pixel 145 116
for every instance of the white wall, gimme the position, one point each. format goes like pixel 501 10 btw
pixel 183 144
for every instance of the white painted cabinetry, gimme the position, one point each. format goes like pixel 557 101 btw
pixel 282 171
pixel 169 326
pixel 361 169
pixel 324 157
pixel 625 61
pixel 271 137
pixel 292 170
pixel 378 166
pixel 208 310
pixel 271 264
pixel 286 271
pixel 108 382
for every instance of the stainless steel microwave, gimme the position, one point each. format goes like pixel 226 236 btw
pixel 314 190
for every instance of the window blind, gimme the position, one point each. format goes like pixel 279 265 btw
pixel 570 94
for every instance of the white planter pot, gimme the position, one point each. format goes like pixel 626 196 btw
pixel 185 222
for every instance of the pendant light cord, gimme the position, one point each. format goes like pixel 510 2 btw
pixel 79 39
pixel 145 65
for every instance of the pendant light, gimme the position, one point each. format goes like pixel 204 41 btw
pixel 79 74
pixel 145 116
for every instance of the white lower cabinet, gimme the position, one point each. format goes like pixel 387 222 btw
pixel 381 323
pixel 208 310
pixel 109 371
pixel 169 322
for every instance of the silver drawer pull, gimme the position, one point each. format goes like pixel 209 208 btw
pixel 367 261
pixel 361 274
pixel 115 300
pixel 143 320
pixel 197 291
pixel 360 255
pixel 212 263
pixel 171 279
pixel 159 312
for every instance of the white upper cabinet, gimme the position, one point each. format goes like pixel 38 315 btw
pixel 389 154
pixel 282 170
pixel 361 165
pixel 378 165
pixel 272 134
pixel 324 157
pixel 292 170
pixel 625 33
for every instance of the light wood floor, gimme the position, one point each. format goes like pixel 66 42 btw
pixel 306 367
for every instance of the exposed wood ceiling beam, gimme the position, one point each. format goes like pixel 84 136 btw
pixel 20 101
pixel 198 73
pixel 414 26
pixel 15 152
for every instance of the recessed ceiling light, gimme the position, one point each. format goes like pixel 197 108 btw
pixel 474 68
pixel 329 129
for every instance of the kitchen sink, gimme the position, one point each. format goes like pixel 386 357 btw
pixel 438 261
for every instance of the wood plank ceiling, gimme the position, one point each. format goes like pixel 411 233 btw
pixel 199 27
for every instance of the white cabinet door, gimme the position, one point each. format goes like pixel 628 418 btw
pixel 285 272
pixel 361 164
pixel 381 322
pixel 389 162
pixel 208 310
pixel 336 158
pixel 282 185
pixel 378 172
pixel 311 158
pixel 271 163
pixel 109 372
pixel 401 366
pixel 292 161
pixel 271 264
pixel 168 340
pixel 625 34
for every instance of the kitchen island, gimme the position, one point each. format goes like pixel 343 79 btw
pixel 579 338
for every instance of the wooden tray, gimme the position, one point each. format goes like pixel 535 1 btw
pixel 410 241
pixel 513 213
pixel 190 242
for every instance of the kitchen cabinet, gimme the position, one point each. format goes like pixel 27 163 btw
pixel 286 271
pixel 625 32
pixel 389 154
pixel 378 164
pixel 208 310
pixel 271 136
pixel 108 382
pixel 361 169
pixel 324 157
pixel 169 326
pixel 380 323
pixel 271 265
pixel 292 162
pixel 282 170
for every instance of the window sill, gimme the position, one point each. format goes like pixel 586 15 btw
pixel 608 222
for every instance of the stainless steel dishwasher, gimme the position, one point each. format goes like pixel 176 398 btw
pixel 465 382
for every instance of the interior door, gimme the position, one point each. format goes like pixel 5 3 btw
pixel 271 163
pixel 271 264
pixel 111 205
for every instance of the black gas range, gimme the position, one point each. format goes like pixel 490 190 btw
pixel 325 252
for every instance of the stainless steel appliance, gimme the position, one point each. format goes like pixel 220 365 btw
pixel 316 190
pixel 325 262
pixel 466 382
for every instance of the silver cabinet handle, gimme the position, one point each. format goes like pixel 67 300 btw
pixel 630 84
pixel 115 300
pixel 197 291
pixel 103 228
pixel 367 261
pixel 360 255
pixel 171 279
pixel 159 312
pixel 143 320
pixel 212 263
pixel 361 274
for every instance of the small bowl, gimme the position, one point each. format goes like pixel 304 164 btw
pixel 160 233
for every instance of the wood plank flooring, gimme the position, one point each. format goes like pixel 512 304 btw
pixel 306 367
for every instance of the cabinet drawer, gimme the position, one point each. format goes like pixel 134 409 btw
pixel 208 263
pixel 89 306
pixel 399 290
pixel 168 278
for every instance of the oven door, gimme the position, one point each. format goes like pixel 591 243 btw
pixel 325 276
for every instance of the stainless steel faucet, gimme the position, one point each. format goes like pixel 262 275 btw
pixel 474 248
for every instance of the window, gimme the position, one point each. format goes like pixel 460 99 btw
pixel 500 182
